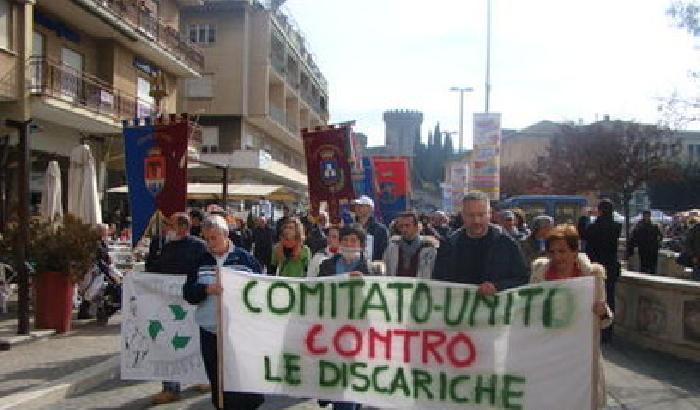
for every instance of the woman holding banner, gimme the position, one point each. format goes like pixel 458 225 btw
pixel 290 255
pixel 564 261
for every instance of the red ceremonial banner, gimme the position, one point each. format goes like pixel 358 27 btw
pixel 391 185
pixel 329 158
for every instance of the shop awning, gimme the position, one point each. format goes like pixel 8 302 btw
pixel 240 191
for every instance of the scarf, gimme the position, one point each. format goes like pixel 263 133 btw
pixel 408 248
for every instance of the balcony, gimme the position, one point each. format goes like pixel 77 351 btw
pixel 80 100
pixel 8 85
pixel 141 31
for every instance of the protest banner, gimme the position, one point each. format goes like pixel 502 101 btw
pixel 159 336
pixel 411 344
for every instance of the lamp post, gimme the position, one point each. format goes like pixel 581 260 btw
pixel 488 55
pixel 461 91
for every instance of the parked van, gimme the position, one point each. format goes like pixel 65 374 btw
pixel 563 208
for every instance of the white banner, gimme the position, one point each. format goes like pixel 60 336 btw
pixel 410 344
pixel 160 339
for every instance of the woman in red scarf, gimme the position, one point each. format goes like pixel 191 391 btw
pixel 564 261
pixel 290 255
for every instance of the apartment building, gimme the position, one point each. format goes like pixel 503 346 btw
pixel 260 86
pixel 77 68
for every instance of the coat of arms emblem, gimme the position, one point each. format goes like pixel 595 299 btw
pixel 154 171
pixel 331 171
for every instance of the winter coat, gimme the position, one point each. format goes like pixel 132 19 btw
pixel 601 242
pixel 539 270
pixel 505 266
pixel 645 236
pixel 692 242
pixel 195 288
pixel 328 267
pixel 426 258
pixel 380 237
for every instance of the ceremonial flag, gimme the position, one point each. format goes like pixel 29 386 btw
pixel 156 171
pixel 329 158
pixel 391 186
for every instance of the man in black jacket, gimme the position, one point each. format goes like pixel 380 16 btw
pixel 364 209
pixel 646 237
pixel 180 255
pixel 480 253
pixel 601 238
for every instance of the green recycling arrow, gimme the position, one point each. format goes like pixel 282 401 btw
pixel 180 342
pixel 154 327
pixel 178 312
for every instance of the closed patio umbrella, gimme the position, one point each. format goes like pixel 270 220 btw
pixel 51 206
pixel 83 200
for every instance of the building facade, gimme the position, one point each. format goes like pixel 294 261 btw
pixel 77 68
pixel 259 88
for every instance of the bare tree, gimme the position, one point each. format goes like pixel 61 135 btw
pixel 610 156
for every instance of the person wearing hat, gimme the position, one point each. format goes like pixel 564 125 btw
pixel 377 233
pixel 534 246
pixel 508 224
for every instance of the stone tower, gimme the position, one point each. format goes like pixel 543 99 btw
pixel 401 128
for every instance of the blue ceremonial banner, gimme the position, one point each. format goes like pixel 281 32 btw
pixel 156 171
pixel 138 141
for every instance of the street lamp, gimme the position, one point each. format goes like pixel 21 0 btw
pixel 461 91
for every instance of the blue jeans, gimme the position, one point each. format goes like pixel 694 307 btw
pixel 173 387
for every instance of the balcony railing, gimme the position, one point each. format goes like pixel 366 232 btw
pixel 85 91
pixel 143 20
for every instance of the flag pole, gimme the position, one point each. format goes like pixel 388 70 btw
pixel 219 344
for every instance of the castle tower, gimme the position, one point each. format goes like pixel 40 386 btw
pixel 401 128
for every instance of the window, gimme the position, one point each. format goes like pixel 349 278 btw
pixel 210 140
pixel 36 71
pixel 71 74
pixel 145 104
pixel 5 25
pixel 202 33
pixel 199 87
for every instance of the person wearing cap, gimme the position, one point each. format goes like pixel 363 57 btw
pixel 441 225
pixel 377 233
pixel 535 245
pixel 602 238
pixel 508 224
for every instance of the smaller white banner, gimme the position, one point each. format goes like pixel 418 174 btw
pixel 160 339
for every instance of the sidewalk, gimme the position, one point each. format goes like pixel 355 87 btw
pixel 38 366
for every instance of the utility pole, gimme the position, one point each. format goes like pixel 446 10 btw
pixel 488 54
pixel 461 91
pixel 23 172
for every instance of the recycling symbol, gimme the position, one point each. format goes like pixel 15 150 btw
pixel 169 329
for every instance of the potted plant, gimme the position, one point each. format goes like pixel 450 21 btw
pixel 61 253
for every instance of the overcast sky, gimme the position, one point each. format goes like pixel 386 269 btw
pixel 560 60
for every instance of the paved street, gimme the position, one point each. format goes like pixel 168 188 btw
pixel 637 378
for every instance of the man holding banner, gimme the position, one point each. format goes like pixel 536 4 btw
pixel 203 288
pixel 480 253
pixel 180 256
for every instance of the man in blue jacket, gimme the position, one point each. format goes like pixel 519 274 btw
pixel 481 253
pixel 202 289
